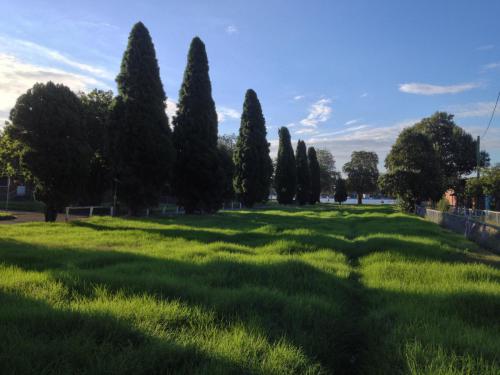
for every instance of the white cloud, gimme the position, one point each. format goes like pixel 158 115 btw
pixel 491 66
pixel 17 76
pixel 479 109
pixel 485 47
pixel 306 131
pixel 231 29
pixel 351 122
pixel 428 89
pixel 363 95
pixel 21 47
pixel 318 112
pixel 298 97
pixel 171 109
pixel 225 113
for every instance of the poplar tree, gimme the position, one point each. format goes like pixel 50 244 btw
pixel 253 165
pixel 303 178
pixel 314 172
pixel 285 179
pixel 199 177
pixel 142 147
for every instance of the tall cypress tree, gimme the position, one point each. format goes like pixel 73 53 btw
pixel 303 178
pixel 253 165
pixel 285 178
pixel 198 173
pixel 142 148
pixel 315 176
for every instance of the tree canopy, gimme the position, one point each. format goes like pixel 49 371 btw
pixel 413 169
pixel 340 191
pixel 285 178
pixel 362 173
pixel 199 177
pixel 315 176
pixel 141 137
pixel 47 133
pixel 328 174
pixel 303 177
pixel 253 165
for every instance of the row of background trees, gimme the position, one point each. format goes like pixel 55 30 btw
pixel 74 148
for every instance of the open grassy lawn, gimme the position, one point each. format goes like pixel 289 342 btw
pixel 279 291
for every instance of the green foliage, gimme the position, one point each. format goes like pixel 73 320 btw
pixel 96 108
pixel 303 175
pixel 275 291
pixel 491 180
pixel 47 138
pixel 443 205
pixel 340 191
pixel 456 148
pixel 141 138
pixel 285 178
pixel 226 145
pixel 199 177
pixel 253 165
pixel 362 173
pixel 413 170
pixel 328 175
pixel 315 175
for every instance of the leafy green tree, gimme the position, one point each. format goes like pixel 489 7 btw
pixel 340 191
pixel 285 178
pixel 413 170
pixel 328 175
pixel 47 133
pixel 226 145
pixel 96 109
pixel 142 149
pixel 303 177
pixel 362 173
pixel 455 147
pixel 315 176
pixel 491 178
pixel 199 178
pixel 253 165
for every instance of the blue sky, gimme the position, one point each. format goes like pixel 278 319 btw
pixel 343 75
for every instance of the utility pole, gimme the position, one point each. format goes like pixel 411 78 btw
pixel 478 156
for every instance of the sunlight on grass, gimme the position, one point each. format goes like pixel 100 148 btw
pixel 273 291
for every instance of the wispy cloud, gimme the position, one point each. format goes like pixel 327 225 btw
pixel 351 122
pixel 480 109
pixel 485 47
pixel 491 66
pixel 429 89
pixel 363 95
pixel 225 113
pixel 17 76
pixel 34 51
pixel 298 97
pixel 231 29
pixel 319 112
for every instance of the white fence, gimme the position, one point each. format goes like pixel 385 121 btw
pixel 88 211
pixel 485 216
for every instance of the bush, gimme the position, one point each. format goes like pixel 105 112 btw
pixel 443 205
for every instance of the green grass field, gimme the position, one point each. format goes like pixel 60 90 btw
pixel 280 291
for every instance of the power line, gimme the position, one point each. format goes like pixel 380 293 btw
pixel 492 115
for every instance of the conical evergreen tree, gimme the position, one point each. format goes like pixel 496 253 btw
pixel 303 178
pixel 314 175
pixel 142 147
pixel 199 177
pixel 253 165
pixel 285 178
pixel 340 191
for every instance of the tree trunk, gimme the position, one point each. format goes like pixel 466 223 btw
pixel 50 214
pixel 360 198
